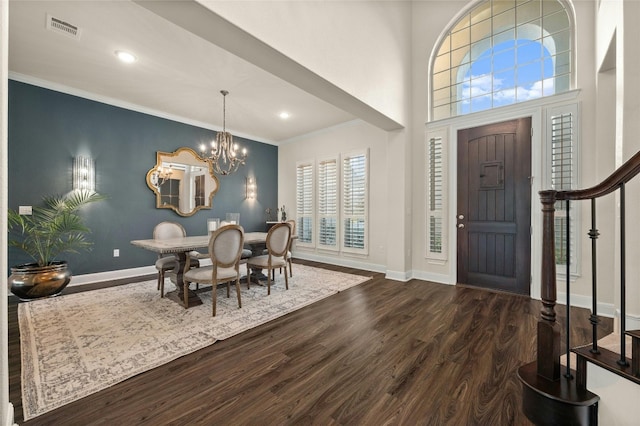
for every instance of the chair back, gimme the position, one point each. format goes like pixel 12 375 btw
pixel 166 230
pixel 292 224
pixel 278 239
pixel 225 245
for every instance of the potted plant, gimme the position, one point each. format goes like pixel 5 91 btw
pixel 52 229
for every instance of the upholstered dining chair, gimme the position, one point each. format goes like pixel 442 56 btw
pixel 277 244
pixel 163 231
pixel 225 249
pixel 246 253
pixel 289 256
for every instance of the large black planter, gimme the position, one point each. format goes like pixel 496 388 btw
pixel 30 281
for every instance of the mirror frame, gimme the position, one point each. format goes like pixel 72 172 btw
pixel 162 157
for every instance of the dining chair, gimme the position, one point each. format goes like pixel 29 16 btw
pixel 289 256
pixel 163 231
pixel 246 253
pixel 199 255
pixel 277 244
pixel 225 249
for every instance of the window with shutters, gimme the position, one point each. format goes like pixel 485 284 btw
pixel 436 223
pixel 328 204
pixel 355 202
pixel 563 175
pixel 304 203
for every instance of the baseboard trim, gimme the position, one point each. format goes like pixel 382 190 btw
pixel 604 309
pixel 436 278
pixel 146 270
pixel 347 263
pixel 111 275
pixel 10 415
pixel 119 274
pixel 398 276
pixel 632 321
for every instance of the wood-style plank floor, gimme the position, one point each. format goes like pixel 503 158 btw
pixel 381 353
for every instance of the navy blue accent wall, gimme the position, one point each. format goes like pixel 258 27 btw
pixel 47 129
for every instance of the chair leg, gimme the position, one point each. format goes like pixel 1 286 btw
pixel 185 291
pixel 286 280
pixel 238 291
pixel 290 270
pixel 228 282
pixel 214 297
pixel 269 281
pixel 161 283
pixel 248 277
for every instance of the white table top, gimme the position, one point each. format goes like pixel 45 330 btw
pixel 184 244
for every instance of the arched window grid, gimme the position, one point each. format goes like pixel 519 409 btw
pixel 481 37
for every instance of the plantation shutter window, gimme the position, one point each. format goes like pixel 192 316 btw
pixel 564 177
pixel 304 203
pixel 435 199
pixel 354 202
pixel 328 204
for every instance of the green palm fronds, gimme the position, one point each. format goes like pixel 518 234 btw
pixel 52 229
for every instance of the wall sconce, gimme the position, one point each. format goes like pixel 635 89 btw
pixel 251 188
pixel 84 174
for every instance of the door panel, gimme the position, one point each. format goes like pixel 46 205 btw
pixel 494 206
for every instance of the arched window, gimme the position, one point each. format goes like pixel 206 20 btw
pixel 500 53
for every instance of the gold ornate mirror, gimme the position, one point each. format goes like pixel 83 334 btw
pixel 182 181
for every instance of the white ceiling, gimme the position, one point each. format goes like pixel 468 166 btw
pixel 177 75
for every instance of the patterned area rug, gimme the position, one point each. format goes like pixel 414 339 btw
pixel 78 344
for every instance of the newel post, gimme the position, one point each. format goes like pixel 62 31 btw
pixel 548 328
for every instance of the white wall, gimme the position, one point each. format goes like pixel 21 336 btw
pixel 616 394
pixel 6 409
pixel 628 106
pixel 429 21
pixel 361 47
pixel 618 100
pixel 355 135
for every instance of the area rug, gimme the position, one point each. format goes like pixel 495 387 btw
pixel 76 345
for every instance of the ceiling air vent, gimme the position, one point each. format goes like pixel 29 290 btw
pixel 60 26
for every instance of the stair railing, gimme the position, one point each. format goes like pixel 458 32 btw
pixel 548 355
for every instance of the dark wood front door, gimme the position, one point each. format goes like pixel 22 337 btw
pixel 494 206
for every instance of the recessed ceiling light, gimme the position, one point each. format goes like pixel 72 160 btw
pixel 126 57
pixel 284 115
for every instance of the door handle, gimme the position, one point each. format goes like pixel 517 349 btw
pixel 461 225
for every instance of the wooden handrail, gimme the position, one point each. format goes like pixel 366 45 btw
pixel 548 357
pixel 622 175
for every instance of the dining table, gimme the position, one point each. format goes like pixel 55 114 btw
pixel 180 247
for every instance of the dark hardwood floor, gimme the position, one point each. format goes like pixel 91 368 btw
pixel 383 352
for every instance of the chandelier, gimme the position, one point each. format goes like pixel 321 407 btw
pixel 224 154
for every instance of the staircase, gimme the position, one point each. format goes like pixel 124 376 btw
pixel 552 396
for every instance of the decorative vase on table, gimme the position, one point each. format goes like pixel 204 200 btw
pixel 31 281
